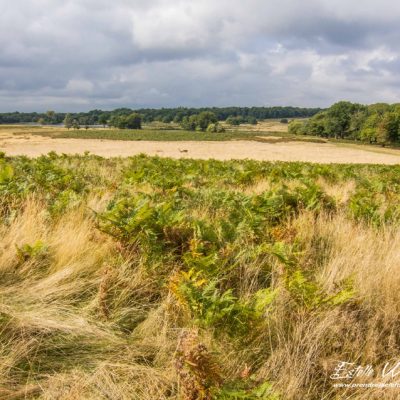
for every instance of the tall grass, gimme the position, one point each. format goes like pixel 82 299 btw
pixel 150 278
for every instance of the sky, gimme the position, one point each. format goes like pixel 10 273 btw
pixel 77 55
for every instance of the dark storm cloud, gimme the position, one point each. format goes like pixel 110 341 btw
pixel 82 54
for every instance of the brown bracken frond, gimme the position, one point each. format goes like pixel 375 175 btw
pixel 197 372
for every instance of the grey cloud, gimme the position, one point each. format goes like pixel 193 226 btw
pixel 82 54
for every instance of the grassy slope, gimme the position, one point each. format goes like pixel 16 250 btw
pixel 149 278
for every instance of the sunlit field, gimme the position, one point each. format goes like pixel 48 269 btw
pixel 152 278
pixel 155 131
pixel 260 142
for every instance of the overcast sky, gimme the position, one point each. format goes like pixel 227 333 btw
pixel 83 54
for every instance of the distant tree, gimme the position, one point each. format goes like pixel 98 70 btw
pixel 103 119
pixel 113 121
pixel 368 134
pixel 179 117
pixel 41 121
pixel 204 119
pixel 356 123
pixel 296 127
pixel 199 122
pixel 315 126
pixel 284 121
pixel 382 136
pixel 391 121
pixel 369 128
pixel 133 121
pixel 167 118
pixel 215 128
pixel 388 128
pixel 189 123
pixel 75 124
pixel 68 121
pixel 50 116
pixel 234 121
pixel 84 121
pixel 338 118
pixel 378 108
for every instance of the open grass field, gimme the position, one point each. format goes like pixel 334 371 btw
pixel 152 132
pixel 265 145
pixel 271 130
pixel 153 278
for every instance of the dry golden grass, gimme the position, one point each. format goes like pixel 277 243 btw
pixel 52 320
pixel 84 319
pixel 66 302
pixel 16 140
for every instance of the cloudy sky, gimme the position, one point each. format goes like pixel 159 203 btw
pixel 82 54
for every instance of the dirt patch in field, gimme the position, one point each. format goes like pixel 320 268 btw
pixel 33 146
pixel 271 125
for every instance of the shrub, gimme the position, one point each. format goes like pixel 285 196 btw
pixel 215 128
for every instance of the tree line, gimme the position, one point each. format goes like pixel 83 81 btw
pixel 177 115
pixel 130 121
pixel 375 123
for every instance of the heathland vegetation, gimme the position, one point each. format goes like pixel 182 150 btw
pixel 150 278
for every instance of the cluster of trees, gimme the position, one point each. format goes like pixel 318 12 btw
pixel 206 120
pixel 375 123
pixel 177 115
pixel 231 120
pixel 247 114
pixel 130 121
pixel 25 118
pixel 94 117
pixel 76 123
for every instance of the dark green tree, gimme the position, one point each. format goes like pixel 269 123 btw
pixel 68 121
pixel 189 123
pixel 50 116
pixel 338 118
pixel 75 124
pixel 234 121
pixel 204 119
pixel 84 121
pixel 388 128
pixel 296 127
pixel 133 121
pixel 103 119
pixel 215 128
pixel 316 125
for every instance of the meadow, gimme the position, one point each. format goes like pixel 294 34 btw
pixel 158 131
pixel 266 141
pixel 153 278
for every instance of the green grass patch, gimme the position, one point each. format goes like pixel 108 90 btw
pixel 150 134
